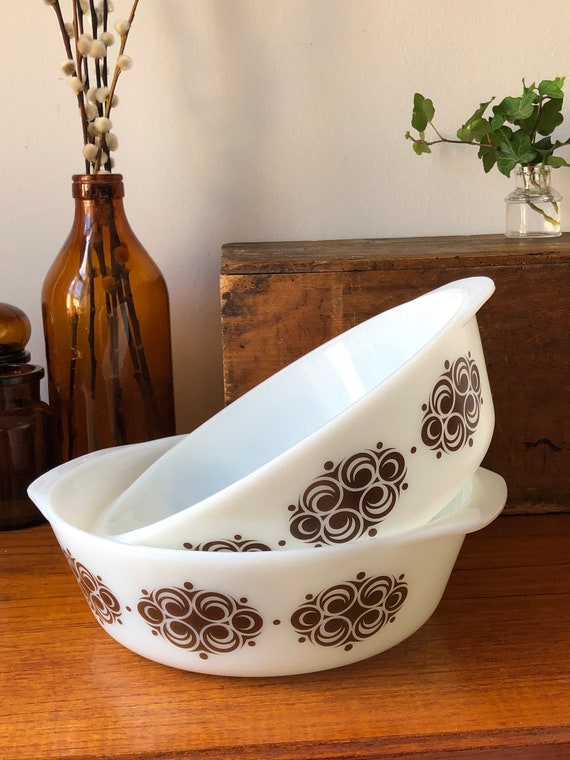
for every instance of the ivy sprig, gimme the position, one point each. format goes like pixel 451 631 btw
pixel 518 130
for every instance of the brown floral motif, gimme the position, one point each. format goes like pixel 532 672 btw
pixel 350 499
pixel 235 544
pixel 453 411
pixel 349 612
pixel 206 622
pixel 104 604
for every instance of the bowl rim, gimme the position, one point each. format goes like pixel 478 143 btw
pixel 485 503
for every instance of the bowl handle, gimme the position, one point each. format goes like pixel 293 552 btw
pixel 486 502
pixel 476 291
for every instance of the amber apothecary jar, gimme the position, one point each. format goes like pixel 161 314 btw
pixel 106 319
pixel 25 435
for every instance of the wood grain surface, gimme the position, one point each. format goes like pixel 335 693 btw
pixel 487 677
pixel 281 300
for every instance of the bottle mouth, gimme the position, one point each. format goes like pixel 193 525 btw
pixel 13 374
pixel 103 187
pixel 101 177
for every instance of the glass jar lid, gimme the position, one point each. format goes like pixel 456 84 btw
pixel 15 332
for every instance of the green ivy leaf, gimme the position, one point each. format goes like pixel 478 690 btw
pixel 513 151
pixel 552 88
pixel 476 131
pixel 420 148
pixel 488 156
pixel 523 147
pixel 422 113
pixel 475 127
pixel 515 110
pixel 544 146
pixel 496 122
pixel 556 161
pixel 561 144
pixel 550 117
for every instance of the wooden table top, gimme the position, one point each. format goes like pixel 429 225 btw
pixel 487 677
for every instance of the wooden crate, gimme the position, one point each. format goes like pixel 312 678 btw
pixel 280 300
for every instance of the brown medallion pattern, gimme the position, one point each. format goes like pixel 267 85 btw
pixel 104 604
pixel 207 622
pixel 235 544
pixel 350 612
pixel 452 413
pixel 350 498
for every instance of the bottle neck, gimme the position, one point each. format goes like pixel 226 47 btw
pixel 98 200
pixel 533 177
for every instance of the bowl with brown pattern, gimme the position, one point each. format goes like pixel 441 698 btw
pixel 370 433
pixel 243 609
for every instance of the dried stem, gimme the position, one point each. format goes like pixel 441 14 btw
pixel 63 30
pixel 116 75
pixel 72 369
pixel 105 266
pixel 141 371
pixel 126 303
pixel 69 52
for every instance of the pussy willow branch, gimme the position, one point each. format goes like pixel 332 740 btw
pixel 124 302
pixel 100 71
pixel 69 52
pixel 141 370
pixel 113 309
pixel 82 65
pixel 62 29
pixel 105 25
pixel 117 72
pixel 116 75
pixel 72 372
pixel 94 26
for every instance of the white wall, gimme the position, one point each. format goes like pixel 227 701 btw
pixel 263 120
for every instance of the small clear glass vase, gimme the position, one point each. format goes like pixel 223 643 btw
pixel 533 208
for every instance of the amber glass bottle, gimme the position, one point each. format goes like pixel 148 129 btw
pixel 25 435
pixel 106 323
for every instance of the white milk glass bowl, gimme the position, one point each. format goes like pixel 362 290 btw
pixel 260 613
pixel 368 434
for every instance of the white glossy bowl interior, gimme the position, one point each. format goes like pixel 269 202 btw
pixel 374 419
pixel 261 613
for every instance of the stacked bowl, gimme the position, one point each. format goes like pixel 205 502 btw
pixel 313 522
